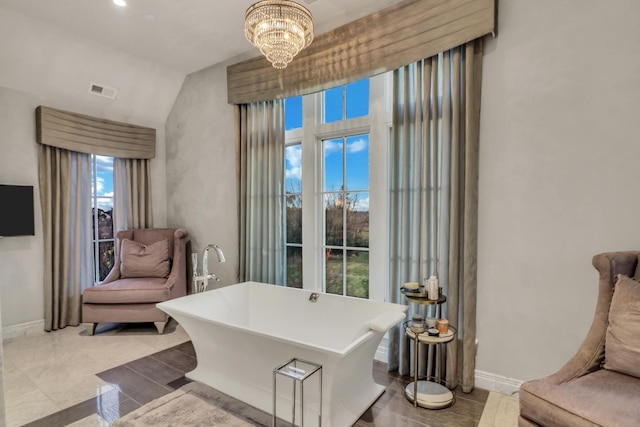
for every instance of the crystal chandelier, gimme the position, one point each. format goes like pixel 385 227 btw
pixel 279 28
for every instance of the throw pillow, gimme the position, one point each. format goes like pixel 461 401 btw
pixel 138 260
pixel 622 341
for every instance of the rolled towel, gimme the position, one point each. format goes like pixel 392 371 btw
pixel 412 286
pixel 386 321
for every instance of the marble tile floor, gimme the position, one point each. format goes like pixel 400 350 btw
pixel 69 378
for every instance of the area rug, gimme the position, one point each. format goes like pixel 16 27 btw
pixel 194 405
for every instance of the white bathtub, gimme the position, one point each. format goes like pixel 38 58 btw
pixel 242 332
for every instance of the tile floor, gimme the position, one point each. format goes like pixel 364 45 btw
pixel 50 376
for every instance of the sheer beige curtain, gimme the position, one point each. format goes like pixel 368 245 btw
pixel 260 177
pixel 65 197
pixel 434 197
pixel 132 194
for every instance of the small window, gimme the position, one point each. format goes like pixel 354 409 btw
pixel 102 215
pixel 293 208
pixel 293 113
pixel 346 102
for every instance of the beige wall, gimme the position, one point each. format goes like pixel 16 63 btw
pixel 558 175
pixel 21 258
pixel 201 174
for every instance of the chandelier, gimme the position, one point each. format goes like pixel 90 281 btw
pixel 279 28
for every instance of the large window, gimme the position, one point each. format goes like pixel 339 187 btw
pixel 330 142
pixel 102 215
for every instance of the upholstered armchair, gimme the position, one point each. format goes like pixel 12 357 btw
pixel 150 267
pixel 600 385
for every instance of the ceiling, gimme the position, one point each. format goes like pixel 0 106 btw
pixel 183 35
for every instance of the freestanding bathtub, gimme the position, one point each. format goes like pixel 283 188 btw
pixel 242 332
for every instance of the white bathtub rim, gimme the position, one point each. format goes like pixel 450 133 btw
pixel 341 352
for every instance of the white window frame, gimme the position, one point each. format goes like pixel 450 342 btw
pixel 311 135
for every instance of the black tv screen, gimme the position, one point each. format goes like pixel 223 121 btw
pixel 16 210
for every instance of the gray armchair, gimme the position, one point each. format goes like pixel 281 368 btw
pixel 582 392
pixel 150 267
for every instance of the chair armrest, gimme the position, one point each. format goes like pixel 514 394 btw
pixel 590 355
pixel 177 280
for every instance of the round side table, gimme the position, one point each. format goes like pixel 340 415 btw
pixel 425 393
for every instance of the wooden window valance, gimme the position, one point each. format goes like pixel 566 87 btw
pixel 383 41
pixel 90 135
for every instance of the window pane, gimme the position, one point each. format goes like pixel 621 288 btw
pixel 357 219
pixel 333 104
pixel 293 168
pixel 333 276
pixel 358 99
pixel 334 219
pixel 294 218
pixel 105 258
pixel 105 218
pixel 358 162
pixel 294 267
pixel 358 274
pixel 104 184
pixel 333 165
pixel 293 113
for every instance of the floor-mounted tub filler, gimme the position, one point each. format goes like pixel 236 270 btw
pixel 242 332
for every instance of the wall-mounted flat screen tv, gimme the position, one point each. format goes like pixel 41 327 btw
pixel 16 210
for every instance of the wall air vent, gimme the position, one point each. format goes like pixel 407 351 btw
pixel 103 91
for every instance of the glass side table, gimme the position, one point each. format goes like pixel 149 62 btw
pixel 299 371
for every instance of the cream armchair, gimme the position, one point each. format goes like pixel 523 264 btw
pixel 150 267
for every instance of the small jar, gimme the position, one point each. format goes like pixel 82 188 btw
pixel 433 332
pixel 431 322
pixel 417 324
pixel 443 326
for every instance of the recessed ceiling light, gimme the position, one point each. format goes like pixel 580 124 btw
pixel 120 3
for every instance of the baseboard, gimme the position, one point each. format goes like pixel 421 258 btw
pixel 484 380
pixel 497 383
pixel 22 329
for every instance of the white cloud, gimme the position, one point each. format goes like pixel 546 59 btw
pixel 358 145
pixel 293 155
pixel 99 185
pixel 294 173
pixel 105 205
pixel 332 146
pixel 362 205
pixel 104 164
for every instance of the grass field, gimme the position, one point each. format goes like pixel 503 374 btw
pixel 357 274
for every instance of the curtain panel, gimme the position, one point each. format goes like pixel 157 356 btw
pixel 260 176
pixel 434 197
pixel 65 193
pixel 132 194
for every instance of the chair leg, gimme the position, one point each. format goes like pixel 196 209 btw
pixel 90 327
pixel 160 327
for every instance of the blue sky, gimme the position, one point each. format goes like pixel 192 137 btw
pixel 104 182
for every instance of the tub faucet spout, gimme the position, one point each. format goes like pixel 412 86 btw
pixel 201 282
pixel 314 296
